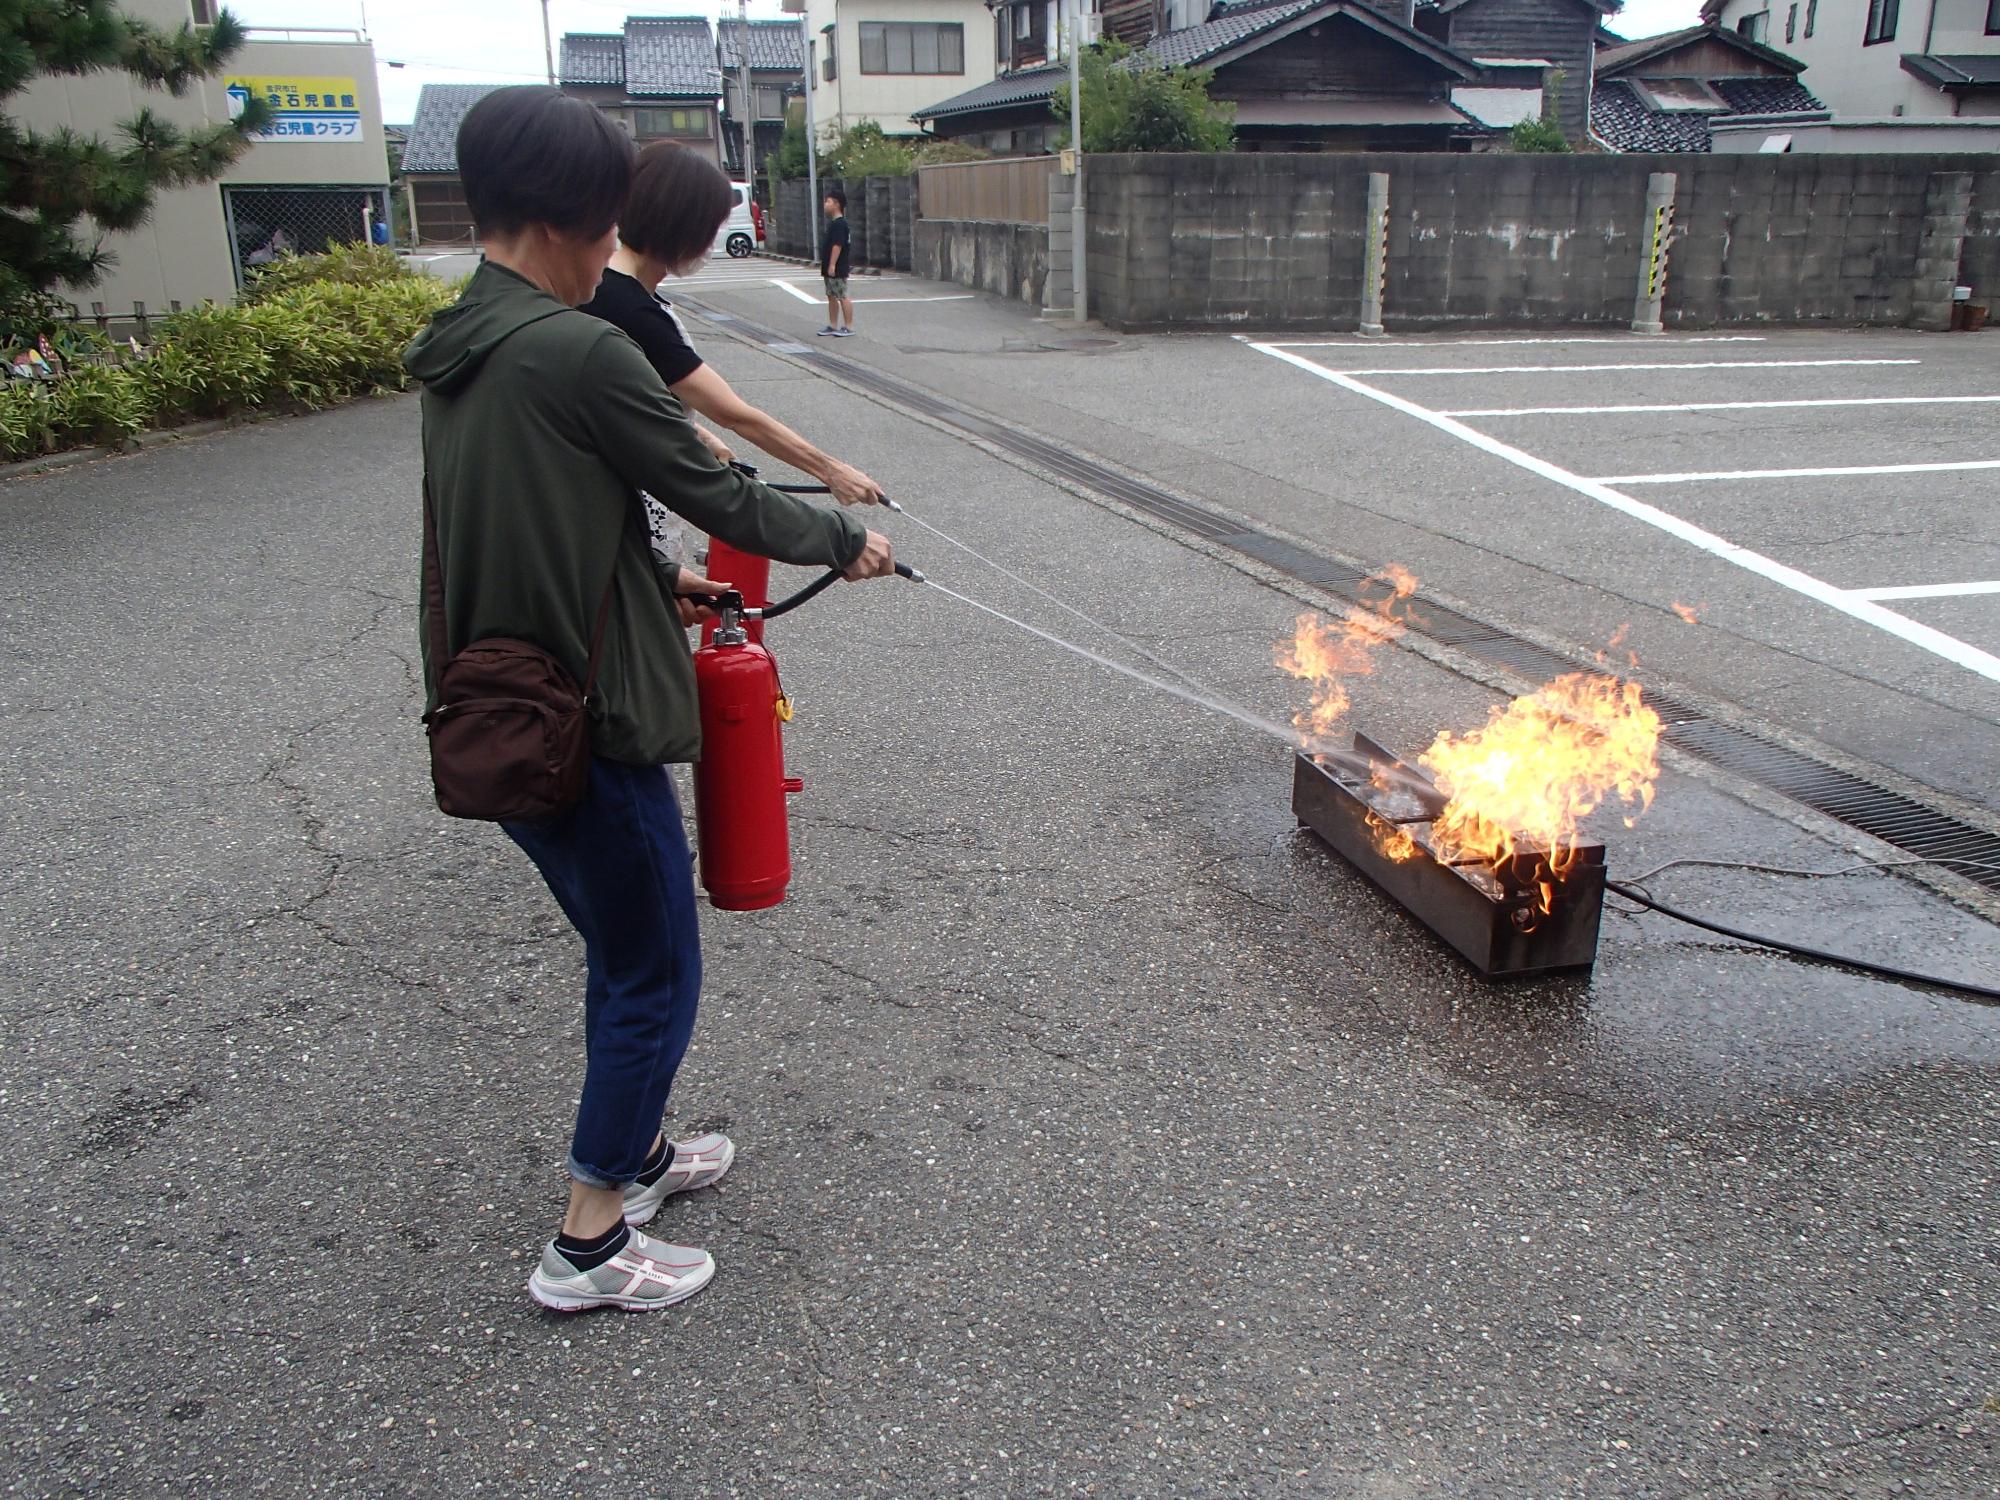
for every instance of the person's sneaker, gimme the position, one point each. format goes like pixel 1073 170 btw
pixel 645 1275
pixel 843 333
pixel 697 1163
pixel 829 332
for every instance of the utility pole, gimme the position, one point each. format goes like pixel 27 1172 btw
pixel 812 136
pixel 749 99
pixel 1079 303
pixel 548 47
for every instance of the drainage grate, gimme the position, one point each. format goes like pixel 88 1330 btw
pixel 1970 851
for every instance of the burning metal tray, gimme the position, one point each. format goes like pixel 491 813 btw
pixel 1374 810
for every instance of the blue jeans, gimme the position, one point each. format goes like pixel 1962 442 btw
pixel 618 865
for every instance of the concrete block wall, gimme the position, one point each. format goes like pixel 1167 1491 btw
pixel 1277 241
pixel 879 215
pixel 1009 260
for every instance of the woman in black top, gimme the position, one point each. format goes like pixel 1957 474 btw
pixel 678 203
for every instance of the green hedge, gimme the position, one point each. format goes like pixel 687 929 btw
pixel 297 340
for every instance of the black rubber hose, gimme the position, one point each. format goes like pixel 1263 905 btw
pixel 1979 994
pixel 818 586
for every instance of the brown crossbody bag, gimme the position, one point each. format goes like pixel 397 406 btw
pixel 510 736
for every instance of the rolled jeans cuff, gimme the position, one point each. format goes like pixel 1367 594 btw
pixel 590 1177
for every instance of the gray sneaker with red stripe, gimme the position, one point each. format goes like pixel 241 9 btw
pixel 645 1275
pixel 697 1163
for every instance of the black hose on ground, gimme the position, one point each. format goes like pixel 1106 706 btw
pixel 1978 994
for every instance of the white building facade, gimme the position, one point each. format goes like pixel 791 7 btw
pixel 1899 75
pixel 877 60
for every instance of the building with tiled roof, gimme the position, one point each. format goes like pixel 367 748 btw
pixel 430 162
pixel 1673 92
pixel 777 53
pixel 1896 77
pixel 1303 75
pixel 658 77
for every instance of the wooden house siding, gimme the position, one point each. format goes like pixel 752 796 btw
pixel 1704 59
pixel 1345 62
pixel 1561 31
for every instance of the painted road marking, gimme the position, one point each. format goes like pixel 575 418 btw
pixel 786 286
pixel 1719 474
pixel 1931 590
pixel 1388 345
pixel 1718 364
pixel 957 297
pixel 1865 610
pixel 1593 411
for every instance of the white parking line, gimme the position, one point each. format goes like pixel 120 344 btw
pixel 1865 610
pixel 1596 411
pixel 1719 474
pixel 956 297
pixel 1931 590
pixel 1718 364
pixel 1627 339
pixel 786 286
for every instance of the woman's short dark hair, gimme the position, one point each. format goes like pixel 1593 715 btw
pixel 677 203
pixel 534 155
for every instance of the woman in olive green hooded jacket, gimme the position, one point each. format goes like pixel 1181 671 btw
pixel 541 426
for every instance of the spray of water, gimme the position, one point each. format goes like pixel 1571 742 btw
pixel 1064 605
pixel 1201 700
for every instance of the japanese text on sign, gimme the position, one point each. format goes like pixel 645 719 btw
pixel 302 109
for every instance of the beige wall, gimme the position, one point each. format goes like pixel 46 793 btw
pixel 887 99
pixel 182 252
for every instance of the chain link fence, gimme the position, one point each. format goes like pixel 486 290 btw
pixel 265 223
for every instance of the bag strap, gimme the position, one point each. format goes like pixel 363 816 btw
pixel 434 598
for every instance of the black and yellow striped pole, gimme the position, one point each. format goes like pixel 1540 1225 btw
pixel 1656 241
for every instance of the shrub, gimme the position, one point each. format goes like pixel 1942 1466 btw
pixel 310 342
pixel 864 151
pixel 939 153
pixel 98 404
pixel 24 419
pixel 1129 106
pixel 1543 136
pixel 346 265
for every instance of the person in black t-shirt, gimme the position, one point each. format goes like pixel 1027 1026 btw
pixel 834 256
pixel 677 204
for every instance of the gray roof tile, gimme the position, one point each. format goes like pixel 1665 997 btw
pixel 671 57
pixel 1624 121
pixel 1189 46
pixel 1028 86
pixel 773 44
pixel 593 57
pixel 433 143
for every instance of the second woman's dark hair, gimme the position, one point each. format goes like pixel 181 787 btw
pixel 678 202
pixel 534 155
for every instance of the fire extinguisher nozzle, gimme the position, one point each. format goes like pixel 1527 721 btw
pixel 904 570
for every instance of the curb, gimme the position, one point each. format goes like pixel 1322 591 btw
pixel 158 438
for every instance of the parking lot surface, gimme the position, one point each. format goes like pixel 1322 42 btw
pixel 1101 1134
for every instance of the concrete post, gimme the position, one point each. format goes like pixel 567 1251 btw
pixel 1059 290
pixel 1659 229
pixel 1375 255
pixel 1947 207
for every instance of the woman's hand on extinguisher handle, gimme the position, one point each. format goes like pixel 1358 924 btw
pixel 692 611
pixel 875 561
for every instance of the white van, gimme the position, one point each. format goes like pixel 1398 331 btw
pixel 740 231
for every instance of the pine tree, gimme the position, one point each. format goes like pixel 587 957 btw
pixel 51 180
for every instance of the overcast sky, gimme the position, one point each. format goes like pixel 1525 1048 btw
pixel 500 41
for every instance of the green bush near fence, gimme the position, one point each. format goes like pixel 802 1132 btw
pixel 862 151
pixel 298 339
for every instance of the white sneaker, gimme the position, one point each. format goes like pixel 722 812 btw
pixel 697 1163
pixel 645 1275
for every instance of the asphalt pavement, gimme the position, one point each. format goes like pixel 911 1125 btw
pixel 1100 1133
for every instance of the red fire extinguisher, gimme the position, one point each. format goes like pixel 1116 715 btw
pixel 740 783
pixel 749 575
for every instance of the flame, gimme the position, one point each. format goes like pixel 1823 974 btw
pixel 1529 776
pixel 1686 612
pixel 1326 653
pixel 1390 838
